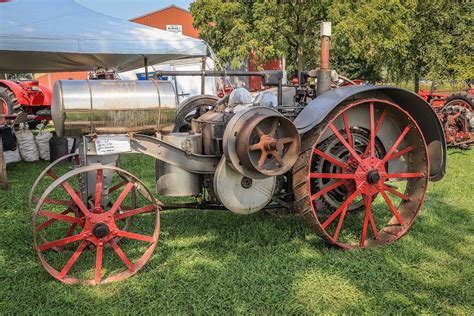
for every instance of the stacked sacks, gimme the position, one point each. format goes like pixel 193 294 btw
pixel 42 141
pixel 26 144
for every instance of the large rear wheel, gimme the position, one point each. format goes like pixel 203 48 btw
pixel 368 155
pixel 8 102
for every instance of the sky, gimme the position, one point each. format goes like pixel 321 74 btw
pixel 128 9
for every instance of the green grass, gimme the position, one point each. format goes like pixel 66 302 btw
pixel 218 262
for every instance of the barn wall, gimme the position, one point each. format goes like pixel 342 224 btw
pixel 170 16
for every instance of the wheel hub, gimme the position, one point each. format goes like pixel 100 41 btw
pixel 370 174
pixel 100 230
pixel 373 177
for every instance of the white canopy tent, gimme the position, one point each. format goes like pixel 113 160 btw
pixel 61 35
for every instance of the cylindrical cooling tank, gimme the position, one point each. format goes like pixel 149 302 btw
pixel 172 180
pixel 112 106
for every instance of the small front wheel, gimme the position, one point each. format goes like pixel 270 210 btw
pixel 97 243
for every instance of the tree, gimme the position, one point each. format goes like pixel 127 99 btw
pixel 368 38
pixel 271 29
pixel 372 39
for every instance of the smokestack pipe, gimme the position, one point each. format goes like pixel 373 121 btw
pixel 324 73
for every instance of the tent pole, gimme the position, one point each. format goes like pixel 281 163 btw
pixel 145 62
pixel 203 79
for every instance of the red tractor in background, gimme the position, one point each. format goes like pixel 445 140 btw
pixel 456 112
pixel 27 96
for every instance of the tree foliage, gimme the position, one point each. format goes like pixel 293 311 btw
pixel 372 39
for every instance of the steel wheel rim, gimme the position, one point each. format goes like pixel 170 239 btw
pixel 90 222
pixel 332 226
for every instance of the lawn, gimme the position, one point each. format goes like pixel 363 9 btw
pixel 218 262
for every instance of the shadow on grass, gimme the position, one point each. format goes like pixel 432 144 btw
pixel 219 262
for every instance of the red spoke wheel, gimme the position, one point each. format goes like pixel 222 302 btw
pixel 368 155
pixel 53 171
pixel 105 247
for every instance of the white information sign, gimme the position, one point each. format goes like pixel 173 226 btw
pixel 107 145
pixel 175 28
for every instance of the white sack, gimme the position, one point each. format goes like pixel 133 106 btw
pixel 11 156
pixel 27 145
pixel 42 141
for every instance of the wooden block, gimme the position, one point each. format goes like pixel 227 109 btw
pixel 3 167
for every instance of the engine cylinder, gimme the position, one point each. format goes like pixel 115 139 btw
pixel 111 107
pixel 172 180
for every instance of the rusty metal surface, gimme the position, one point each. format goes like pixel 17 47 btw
pixel 268 145
pixel 107 107
pixel 243 131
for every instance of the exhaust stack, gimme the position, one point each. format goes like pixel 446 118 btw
pixel 324 73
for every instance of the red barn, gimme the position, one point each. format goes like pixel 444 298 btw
pixel 172 18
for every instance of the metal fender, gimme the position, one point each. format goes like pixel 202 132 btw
pixel 424 115
pixel 16 89
pixel 47 92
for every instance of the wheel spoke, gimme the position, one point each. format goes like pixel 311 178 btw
pixel 52 201
pixel 273 127
pixel 392 208
pixel 374 227
pixel 73 259
pixel 405 175
pixel 60 217
pixel 332 175
pixel 117 186
pixel 75 198
pixel 144 209
pixel 261 161
pixel 395 192
pixel 376 130
pixel 51 221
pixel 286 140
pixel 136 236
pixel 60 242
pixel 121 197
pixel 98 188
pixel 122 255
pixel 52 174
pixel 71 230
pixel 372 131
pixel 327 189
pixel 254 147
pixel 339 224
pixel 259 131
pixel 348 130
pixel 343 141
pixel 368 205
pixel 278 158
pixel 401 153
pixel 340 209
pixel 395 145
pixel 98 264
pixel 329 158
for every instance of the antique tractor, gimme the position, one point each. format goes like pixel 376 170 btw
pixel 355 161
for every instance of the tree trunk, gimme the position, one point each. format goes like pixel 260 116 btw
pixel 299 58
pixel 417 83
